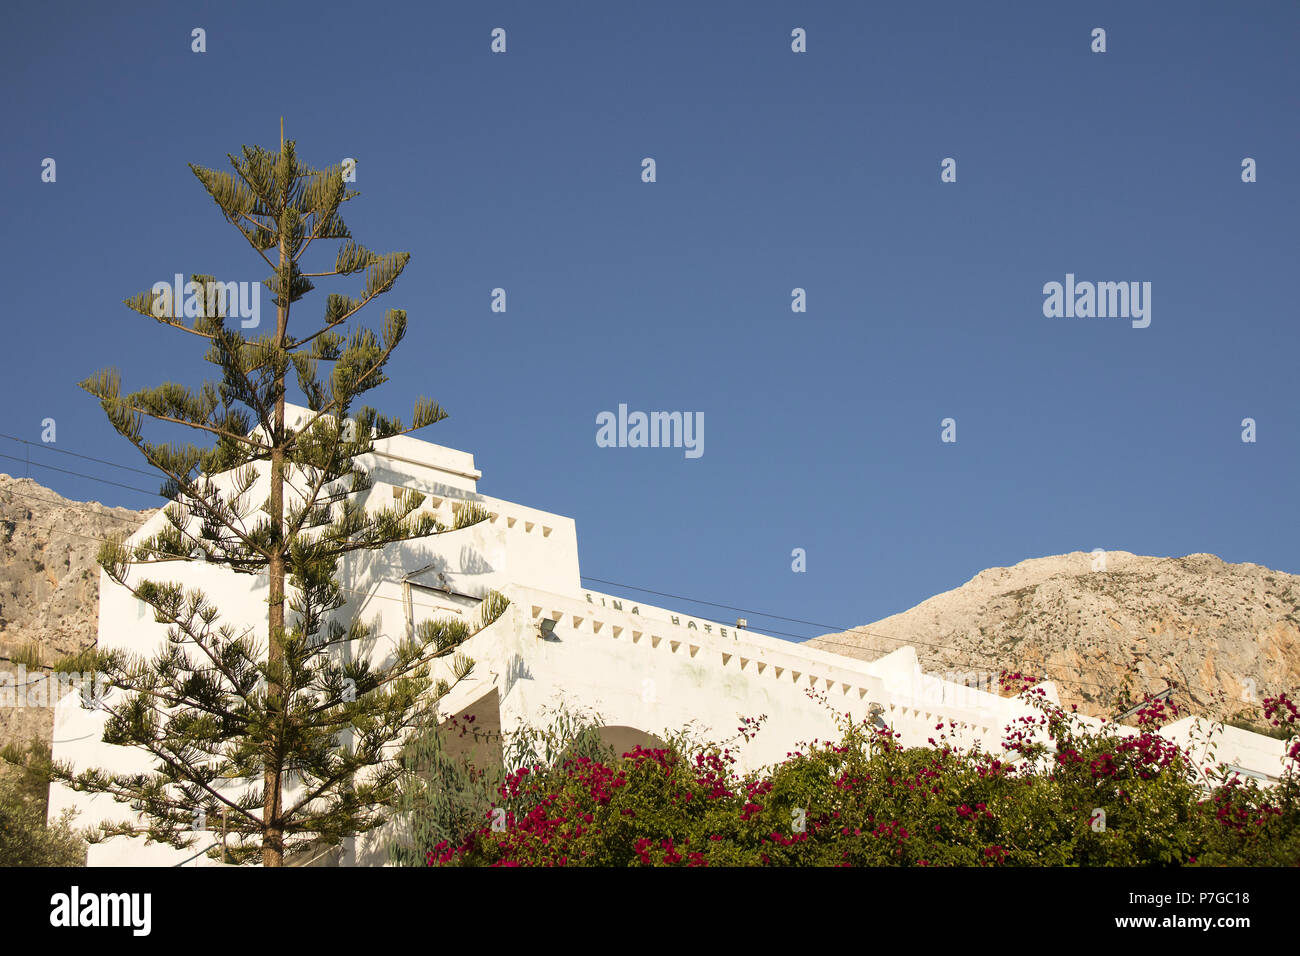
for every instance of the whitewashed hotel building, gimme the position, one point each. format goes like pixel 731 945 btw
pixel 646 670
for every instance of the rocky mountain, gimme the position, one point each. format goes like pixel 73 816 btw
pixel 49 585
pixel 1107 627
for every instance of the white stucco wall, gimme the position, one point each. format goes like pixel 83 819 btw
pixel 637 665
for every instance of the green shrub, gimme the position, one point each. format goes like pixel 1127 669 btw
pixel 25 838
pixel 866 800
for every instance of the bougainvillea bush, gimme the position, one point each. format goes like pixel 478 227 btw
pixel 1058 793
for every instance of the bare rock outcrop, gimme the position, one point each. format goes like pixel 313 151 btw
pixel 49 586
pixel 1223 635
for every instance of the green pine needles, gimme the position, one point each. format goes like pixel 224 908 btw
pixel 282 735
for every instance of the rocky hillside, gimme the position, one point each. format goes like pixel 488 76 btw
pixel 1224 634
pixel 49 584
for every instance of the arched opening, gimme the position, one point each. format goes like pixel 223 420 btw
pixel 614 742
pixel 475 732
pixel 623 739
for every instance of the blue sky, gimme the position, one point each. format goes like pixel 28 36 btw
pixel 775 170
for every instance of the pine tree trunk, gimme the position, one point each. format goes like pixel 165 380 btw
pixel 273 779
pixel 273 834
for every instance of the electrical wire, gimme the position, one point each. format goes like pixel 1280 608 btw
pixel 46 446
pixel 862 630
pixel 831 627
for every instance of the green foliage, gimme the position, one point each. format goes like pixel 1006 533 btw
pixel 493 606
pixel 567 732
pixel 866 801
pixel 82 662
pixel 234 717
pixel 442 796
pixel 25 837
pixel 28 655
pixel 445 797
pixel 1245 723
pixel 444 635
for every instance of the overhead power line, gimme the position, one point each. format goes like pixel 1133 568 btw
pixel 677 597
pixel 828 627
pixel 46 446
pixel 118 484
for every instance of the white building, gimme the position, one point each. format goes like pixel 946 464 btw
pixel 645 669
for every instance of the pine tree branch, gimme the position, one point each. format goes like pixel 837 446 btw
pixel 251 241
pixel 320 481
pixel 241 439
pixel 179 771
pixel 187 488
pixel 124 792
pixel 299 343
pixel 272 214
pixel 185 629
pixel 352 546
pixel 184 328
pixel 325 223
pixel 250 396
pixel 338 777
pixel 355 390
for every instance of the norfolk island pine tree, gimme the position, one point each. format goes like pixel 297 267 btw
pixel 251 725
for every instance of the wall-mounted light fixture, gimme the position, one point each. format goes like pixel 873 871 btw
pixel 876 712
